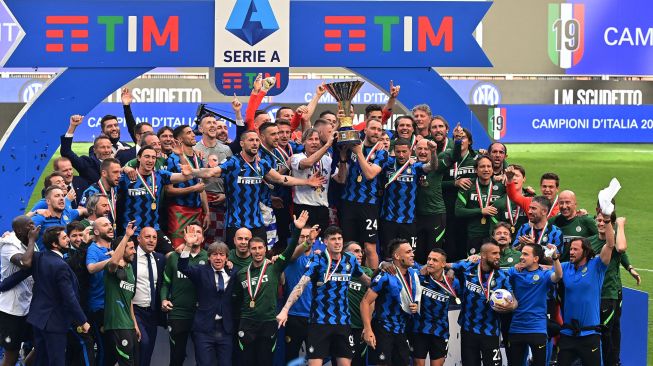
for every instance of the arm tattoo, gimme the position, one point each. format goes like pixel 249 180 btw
pixel 296 292
pixel 285 179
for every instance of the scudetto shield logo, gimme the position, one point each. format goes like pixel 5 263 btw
pixel 566 29
pixel 252 21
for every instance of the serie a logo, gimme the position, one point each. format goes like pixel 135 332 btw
pixel 566 30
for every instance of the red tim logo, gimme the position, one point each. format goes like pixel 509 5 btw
pixel 335 35
pixel 57 35
pixel 234 80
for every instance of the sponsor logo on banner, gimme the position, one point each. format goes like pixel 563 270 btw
pixel 496 122
pixel 71 33
pixel 566 34
pixel 485 94
pixel 251 37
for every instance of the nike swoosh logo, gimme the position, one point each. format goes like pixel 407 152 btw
pixel 542 346
pixel 594 349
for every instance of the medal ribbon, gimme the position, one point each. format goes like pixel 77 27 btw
pixel 513 219
pixel 257 170
pixel 197 163
pixel 413 142
pixel 478 195
pixel 327 275
pixel 397 173
pixel 258 281
pixel 406 285
pixel 369 155
pixel 284 154
pixel 152 192
pixel 539 240
pixel 486 290
pixel 555 202
pixel 446 286
pixel 281 160
pixel 446 142
pixel 112 199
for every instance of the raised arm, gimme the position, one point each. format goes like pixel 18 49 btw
pixel 314 181
pixel 119 253
pixel 606 251
pixel 24 260
pixel 556 276
pixel 309 161
pixel 620 241
pixel 514 195
pixel 130 121
pixel 387 109
pixel 432 165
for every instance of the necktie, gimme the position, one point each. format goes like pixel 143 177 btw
pixel 220 281
pixel 151 276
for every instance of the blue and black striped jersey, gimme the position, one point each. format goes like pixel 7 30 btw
pixel 174 166
pixel 330 304
pixel 357 188
pixel 433 317
pixel 243 185
pixel 135 201
pixel 387 307
pixel 399 197
pixel 552 235
pixel 476 315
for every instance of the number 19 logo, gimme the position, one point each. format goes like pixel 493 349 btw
pixel 566 34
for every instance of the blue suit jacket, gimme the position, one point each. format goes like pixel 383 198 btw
pixel 55 300
pixel 160 261
pixel 124 156
pixel 87 166
pixel 208 297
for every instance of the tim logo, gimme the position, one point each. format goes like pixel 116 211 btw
pixel 68 33
pixel 486 94
pixel 566 29
pixel 496 123
pixel 244 80
pixel 349 33
pixel 252 21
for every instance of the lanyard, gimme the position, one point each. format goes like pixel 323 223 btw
pixel 112 199
pixel 257 171
pixel 397 173
pixel 327 274
pixel 406 285
pixel 539 240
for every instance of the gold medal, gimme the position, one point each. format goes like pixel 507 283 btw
pixel 80 330
pixel 483 220
pixel 153 206
pixel 512 229
pixel 458 301
pixel 252 304
pixel 359 179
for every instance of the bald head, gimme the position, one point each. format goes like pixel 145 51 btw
pixel 490 255
pixel 567 204
pixel 241 240
pixel 147 239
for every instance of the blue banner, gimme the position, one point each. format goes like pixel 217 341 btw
pixel 395 34
pixel 102 33
pixel 617 37
pixel 574 124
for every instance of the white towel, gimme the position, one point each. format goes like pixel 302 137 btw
pixel 405 296
pixel 606 195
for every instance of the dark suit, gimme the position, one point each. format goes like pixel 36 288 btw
pixel 87 166
pixel 55 307
pixel 149 318
pixel 124 156
pixel 79 184
pixel 213 339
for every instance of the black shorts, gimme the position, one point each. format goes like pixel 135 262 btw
pixel 317 215
pixel 391 348
pixel 477 348
pixel 126 345
pixel 359 222
pixel 422 345
pixel 389 230
pixel 329 340
pixel 13 331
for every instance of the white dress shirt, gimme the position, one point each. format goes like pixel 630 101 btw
pixel 142 296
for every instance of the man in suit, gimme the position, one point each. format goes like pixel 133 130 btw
pixel 75 185
pixel 148 269
pixel 213 324
pixel 55 300
pixel 139 131
pixel 87 166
